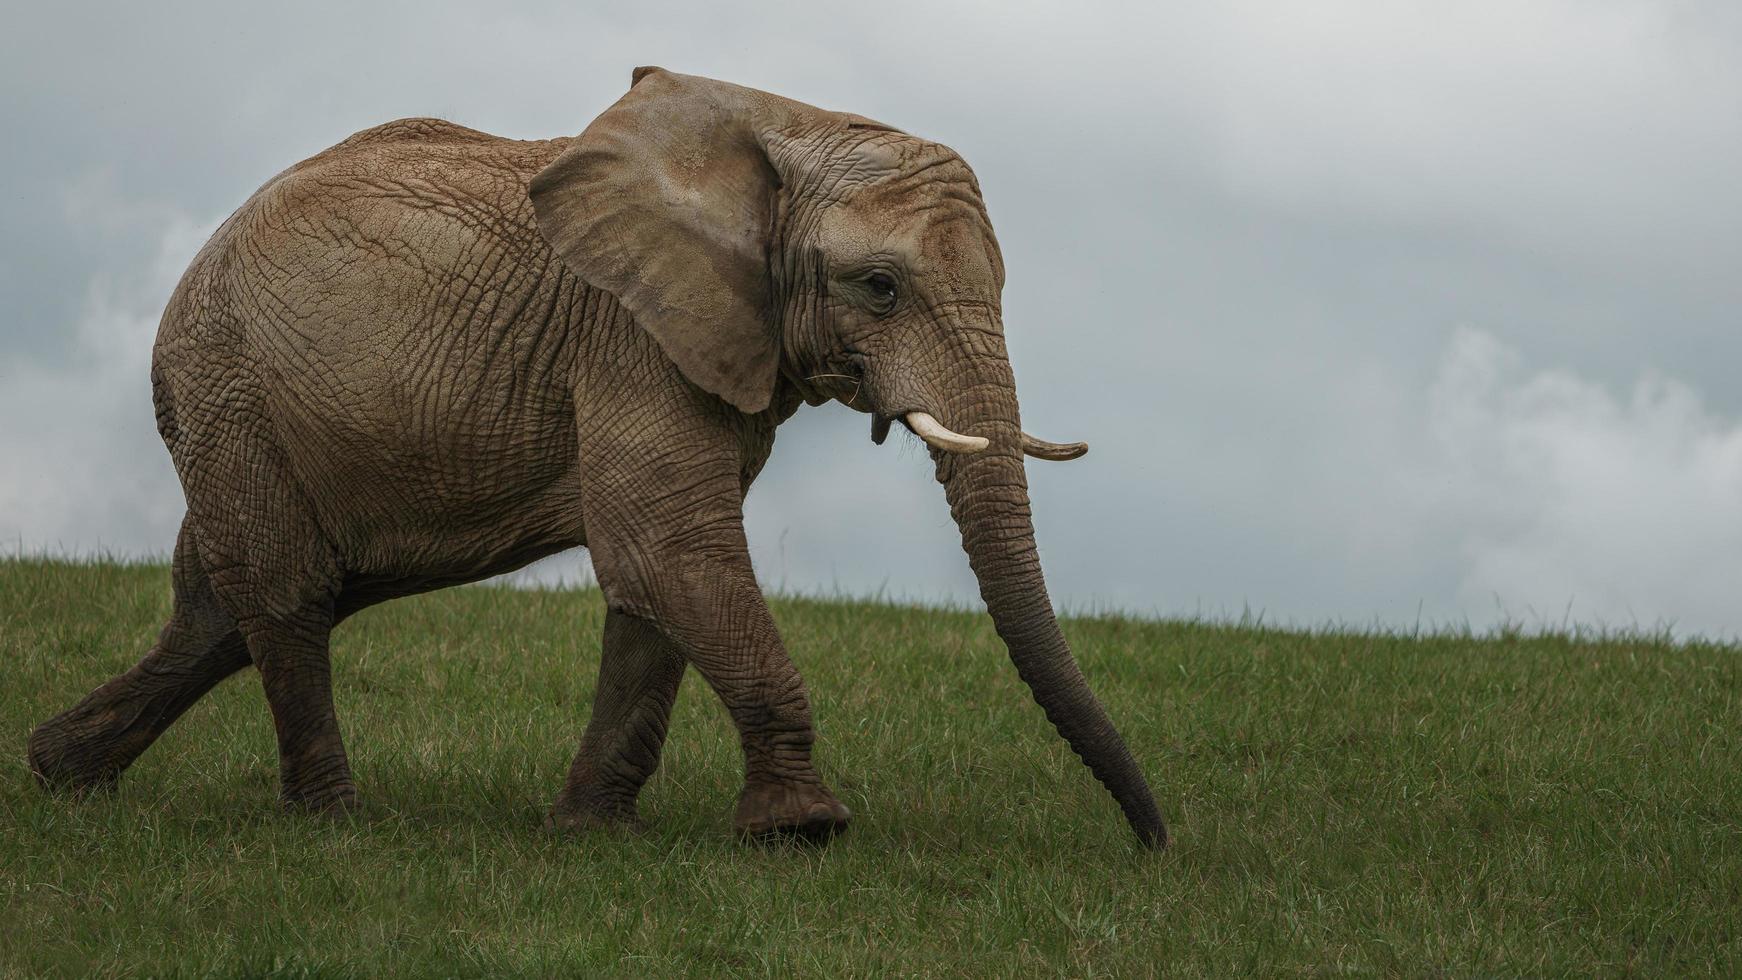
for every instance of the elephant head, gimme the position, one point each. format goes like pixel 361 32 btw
pixel 758 238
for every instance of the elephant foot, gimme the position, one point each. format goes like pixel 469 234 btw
pixel 77 752
pixel 588 804
pixel 803 811
pixel 321 786
pixel 585 819
pixel 339 800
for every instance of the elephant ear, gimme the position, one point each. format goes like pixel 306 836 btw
pixel 666 201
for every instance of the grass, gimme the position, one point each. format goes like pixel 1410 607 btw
pixel 1341 802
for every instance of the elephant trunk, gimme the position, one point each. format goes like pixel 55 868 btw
pixel 988 496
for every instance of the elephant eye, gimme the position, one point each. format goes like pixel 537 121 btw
pixel 882 287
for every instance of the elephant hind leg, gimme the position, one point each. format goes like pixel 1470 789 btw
pixel 280 578
pixel 639 675
pixel 274 570
pixel 90 744
pixel 290 649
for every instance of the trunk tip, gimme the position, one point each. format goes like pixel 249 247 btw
pixel 1153 836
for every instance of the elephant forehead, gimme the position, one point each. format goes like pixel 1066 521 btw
pixel 957 257
pixel 932 233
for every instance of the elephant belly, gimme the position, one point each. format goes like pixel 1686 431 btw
pixel 455 495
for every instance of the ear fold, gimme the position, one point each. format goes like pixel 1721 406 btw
pixel 666 201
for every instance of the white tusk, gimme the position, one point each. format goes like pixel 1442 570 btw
pixel 938 437
pixel 1041 449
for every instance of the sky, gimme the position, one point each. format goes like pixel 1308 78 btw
pixel 1410 314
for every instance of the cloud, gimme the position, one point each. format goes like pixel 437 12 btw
pixel 1627 509
pixel 85 472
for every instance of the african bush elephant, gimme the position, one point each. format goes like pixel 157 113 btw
pixel 429 355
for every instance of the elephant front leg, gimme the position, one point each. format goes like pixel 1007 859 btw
pixel 662 492
pixel 639 674
pixel 719 618
pixel 702 597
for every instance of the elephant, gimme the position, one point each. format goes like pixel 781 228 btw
pixel 428 355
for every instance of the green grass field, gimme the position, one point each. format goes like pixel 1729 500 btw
pixel 1340 803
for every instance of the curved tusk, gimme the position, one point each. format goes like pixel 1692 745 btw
pixel 938 437
pixel 1041 449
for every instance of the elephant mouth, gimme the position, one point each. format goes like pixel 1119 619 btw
pixel 853 365
pixel 841 377
pixel 926 426
pixel 882 420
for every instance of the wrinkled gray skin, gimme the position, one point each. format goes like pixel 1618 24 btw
pixel 429 355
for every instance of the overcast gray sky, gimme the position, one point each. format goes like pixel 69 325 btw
pixel 1370 311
